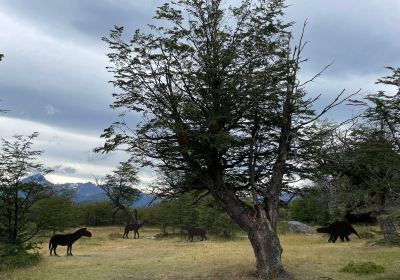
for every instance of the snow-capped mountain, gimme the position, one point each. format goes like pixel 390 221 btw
pixel 38 178
pixel 84 192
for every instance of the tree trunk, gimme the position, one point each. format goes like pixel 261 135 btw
pixel 16 213
pixel 388 228
pixel 267 250
pixel 262 236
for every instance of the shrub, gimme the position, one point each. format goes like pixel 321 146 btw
pixel 114 235
pixel 362 268
pixel 17 256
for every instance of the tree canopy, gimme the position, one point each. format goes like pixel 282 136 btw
pixel 18 160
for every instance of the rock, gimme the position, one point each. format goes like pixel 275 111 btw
pixel 297 227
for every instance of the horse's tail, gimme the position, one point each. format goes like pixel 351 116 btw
pixel 355 232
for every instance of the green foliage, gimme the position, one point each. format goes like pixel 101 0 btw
pixel 312 207
pixel 212 218
pixel 362 268
pixel 183 211
pixel 56 212
pixel 17 256
pixel 120 189
pixel 17 199
pixel 95 213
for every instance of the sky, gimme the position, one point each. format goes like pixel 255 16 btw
pixel 53 78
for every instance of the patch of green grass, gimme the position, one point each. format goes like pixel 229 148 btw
pixel 362 268
pixel 395 241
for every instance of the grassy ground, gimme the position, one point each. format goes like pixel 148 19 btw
pixel 105 257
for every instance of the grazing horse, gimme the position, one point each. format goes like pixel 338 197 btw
pixel 192 231
pixel 67 240
pixel 338 229
pixel 135 227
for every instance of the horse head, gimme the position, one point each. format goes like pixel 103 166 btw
pixel 85 232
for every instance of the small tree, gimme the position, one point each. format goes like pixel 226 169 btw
pixel 120 189
pixel 18 160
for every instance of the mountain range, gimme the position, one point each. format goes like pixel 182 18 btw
pixel 84 192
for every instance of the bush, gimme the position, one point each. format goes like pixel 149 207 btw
pixel 115 235
pixel 17 256
pixel 362 268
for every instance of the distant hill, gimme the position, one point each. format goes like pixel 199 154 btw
pixel 84 192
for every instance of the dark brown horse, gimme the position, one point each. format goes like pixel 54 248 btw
pixel 135 227
pixel 67 240
pixel 192 231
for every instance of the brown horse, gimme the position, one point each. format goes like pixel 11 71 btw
pixel 192 231
pixel 67 240
pixel 135 227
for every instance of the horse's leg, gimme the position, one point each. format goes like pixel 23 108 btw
pixel 51 249
pixel 54 249
pixel 70 250
pixel 137 234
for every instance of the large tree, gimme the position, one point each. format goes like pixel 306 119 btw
pixel 223 112
pixel 18 160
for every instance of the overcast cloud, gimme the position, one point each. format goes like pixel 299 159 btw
pixel 53 77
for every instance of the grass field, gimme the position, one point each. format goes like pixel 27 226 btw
pixel 104 257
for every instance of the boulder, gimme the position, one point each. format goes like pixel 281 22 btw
pixel 297 227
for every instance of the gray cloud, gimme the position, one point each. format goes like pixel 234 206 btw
pixel 360 36
pixel 65 170
pixel 88 19
pixel 53 75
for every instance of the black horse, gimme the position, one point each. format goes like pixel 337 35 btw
pixel 135 227
pixel 67 240
pixel 192 231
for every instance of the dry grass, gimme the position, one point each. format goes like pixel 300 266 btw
pixel 102 257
